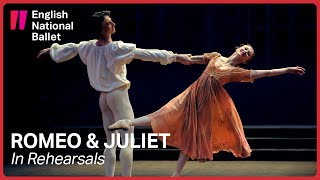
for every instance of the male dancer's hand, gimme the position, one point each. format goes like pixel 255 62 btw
pixel 184 59
pixel 43 53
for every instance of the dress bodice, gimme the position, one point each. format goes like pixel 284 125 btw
pixel 227 73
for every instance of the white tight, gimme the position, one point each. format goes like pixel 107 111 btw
pixel 114 106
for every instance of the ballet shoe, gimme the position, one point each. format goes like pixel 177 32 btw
pixel 121 124
pixel 175 174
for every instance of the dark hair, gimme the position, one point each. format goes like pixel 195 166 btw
pixel 101 13
pixel 97 19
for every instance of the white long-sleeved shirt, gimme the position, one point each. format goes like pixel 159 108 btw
pixel 106 65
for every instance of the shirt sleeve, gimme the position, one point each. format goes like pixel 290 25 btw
pixel 122 53
pixel 241 75
pixel 61 53
pixel 155 55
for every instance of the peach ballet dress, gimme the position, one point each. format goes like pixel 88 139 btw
pixel 203 119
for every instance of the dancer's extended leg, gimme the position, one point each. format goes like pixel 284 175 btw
pixel 126 123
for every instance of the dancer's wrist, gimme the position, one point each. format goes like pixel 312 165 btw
pixel 174 58
pixel 129 122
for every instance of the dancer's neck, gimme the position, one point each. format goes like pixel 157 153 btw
pixel 104 40
pixel 233 60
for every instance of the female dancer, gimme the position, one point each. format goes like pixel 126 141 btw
pixel 203 119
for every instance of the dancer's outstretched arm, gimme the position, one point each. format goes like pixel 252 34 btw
pixel 199 59
pixel 60 53
pixel 163 56
pixel 275 72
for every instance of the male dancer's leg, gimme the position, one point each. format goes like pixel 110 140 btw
pixel 109 153
pixel 118 101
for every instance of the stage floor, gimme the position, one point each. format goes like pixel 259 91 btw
pixel 165 168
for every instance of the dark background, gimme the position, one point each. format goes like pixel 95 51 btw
pixel 43 94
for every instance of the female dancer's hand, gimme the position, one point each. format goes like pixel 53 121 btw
pixel 184 59
pixel 43 53
pixel 296 70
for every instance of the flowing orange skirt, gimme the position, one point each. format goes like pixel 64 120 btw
pixel 202 121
